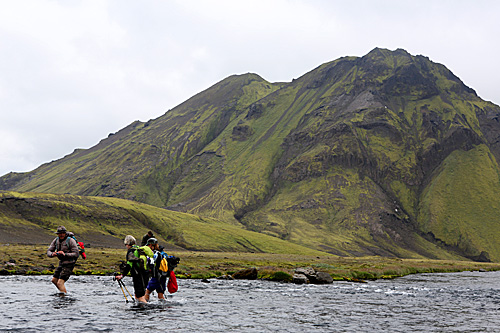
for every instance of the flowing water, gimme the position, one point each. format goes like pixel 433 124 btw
pixel 456 302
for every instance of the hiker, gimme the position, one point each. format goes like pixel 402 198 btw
pixel 66 250
pixel 137 265
pixel 152 243
pixel 158 281
pixel 164 266
pixel 146 237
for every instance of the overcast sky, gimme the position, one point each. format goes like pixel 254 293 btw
pixel 71 72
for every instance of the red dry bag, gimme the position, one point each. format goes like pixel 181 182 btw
pixel 172 286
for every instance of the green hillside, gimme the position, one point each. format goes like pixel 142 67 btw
pixel 33 217
pixel 386 154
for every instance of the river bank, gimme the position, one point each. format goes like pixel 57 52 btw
pixel 32 260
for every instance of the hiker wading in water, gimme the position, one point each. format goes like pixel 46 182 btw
pixel 137 265
pixel 162 270
pixel 158 282
pixel 66 250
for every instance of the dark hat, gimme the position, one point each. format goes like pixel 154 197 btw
pixel 152 241
pixel 61 230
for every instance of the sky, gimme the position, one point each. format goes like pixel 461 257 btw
pixel 74 71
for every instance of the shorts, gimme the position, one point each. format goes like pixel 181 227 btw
pixel 63 271
pixel 158 285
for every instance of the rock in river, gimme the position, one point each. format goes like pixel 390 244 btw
pixel 309 275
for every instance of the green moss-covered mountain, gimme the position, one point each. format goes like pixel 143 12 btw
pixel 387 154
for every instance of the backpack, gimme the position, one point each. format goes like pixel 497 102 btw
pixel 163 265
pixel 167 263
pixel 134 255
pixel 81 246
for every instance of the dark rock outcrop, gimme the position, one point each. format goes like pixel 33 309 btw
pixel 246 274
pixel 300 279
pixel 309 275
pixel 241 132
pixel 322 278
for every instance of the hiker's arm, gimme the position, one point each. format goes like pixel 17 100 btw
pixel 124 270
pixel 52 248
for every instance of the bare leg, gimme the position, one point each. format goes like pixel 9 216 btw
pixel 160 296
pixel 54 281
pixel 147 295
pixel 59 283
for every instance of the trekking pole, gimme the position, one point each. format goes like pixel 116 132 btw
pixel 123 284
pixel 120 283
pixel 123 291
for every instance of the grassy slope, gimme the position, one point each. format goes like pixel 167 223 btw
pixel 460 206
pixel 32 259
pixel 92 217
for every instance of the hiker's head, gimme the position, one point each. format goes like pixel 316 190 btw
pixel 129 240
pixel 150 233
pixel 61 231
pixel 152 243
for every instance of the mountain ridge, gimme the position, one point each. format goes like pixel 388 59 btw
pixel 350 158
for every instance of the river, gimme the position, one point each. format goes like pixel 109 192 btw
pixel 453 302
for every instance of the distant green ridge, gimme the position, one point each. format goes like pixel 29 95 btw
pixel 33 217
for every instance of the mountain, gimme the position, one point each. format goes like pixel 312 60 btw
pixel 387 154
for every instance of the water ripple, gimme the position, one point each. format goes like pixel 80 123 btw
pixel 467 301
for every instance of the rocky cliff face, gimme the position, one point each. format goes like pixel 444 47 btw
pixel 387 154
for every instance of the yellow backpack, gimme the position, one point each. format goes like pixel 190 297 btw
pixel 163 266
